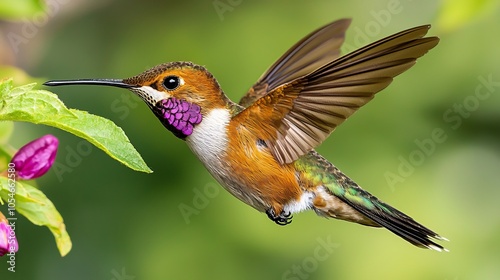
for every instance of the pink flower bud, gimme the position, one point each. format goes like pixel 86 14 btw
pixel 8 241
pixel 35 158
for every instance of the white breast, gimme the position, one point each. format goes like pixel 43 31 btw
pixel 209 139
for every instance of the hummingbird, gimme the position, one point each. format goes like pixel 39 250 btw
pixel 261 150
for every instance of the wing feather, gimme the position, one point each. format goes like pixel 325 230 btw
pixel 296 116
pixel 313 51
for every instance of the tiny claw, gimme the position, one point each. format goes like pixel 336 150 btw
pixel 287 215
pixel 282 219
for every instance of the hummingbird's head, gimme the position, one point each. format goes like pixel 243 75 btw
pixel 178 93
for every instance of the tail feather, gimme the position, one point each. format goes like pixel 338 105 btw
pixel 397 222
pixel 340 197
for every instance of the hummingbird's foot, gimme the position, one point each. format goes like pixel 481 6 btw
pixel 282 219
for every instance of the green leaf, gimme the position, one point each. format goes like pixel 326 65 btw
pixel 36 207
pixel 23 103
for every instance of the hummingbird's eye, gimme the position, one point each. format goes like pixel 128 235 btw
pixel 171 82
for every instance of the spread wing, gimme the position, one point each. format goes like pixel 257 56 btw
pixel 297 116
pixel 313 51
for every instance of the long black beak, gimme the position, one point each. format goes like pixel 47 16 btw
pixel 100 82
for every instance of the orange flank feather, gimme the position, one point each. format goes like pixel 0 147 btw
pixel 264 178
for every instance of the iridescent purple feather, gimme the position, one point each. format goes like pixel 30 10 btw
pixel 178 115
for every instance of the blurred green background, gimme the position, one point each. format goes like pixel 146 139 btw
pixel 129 225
